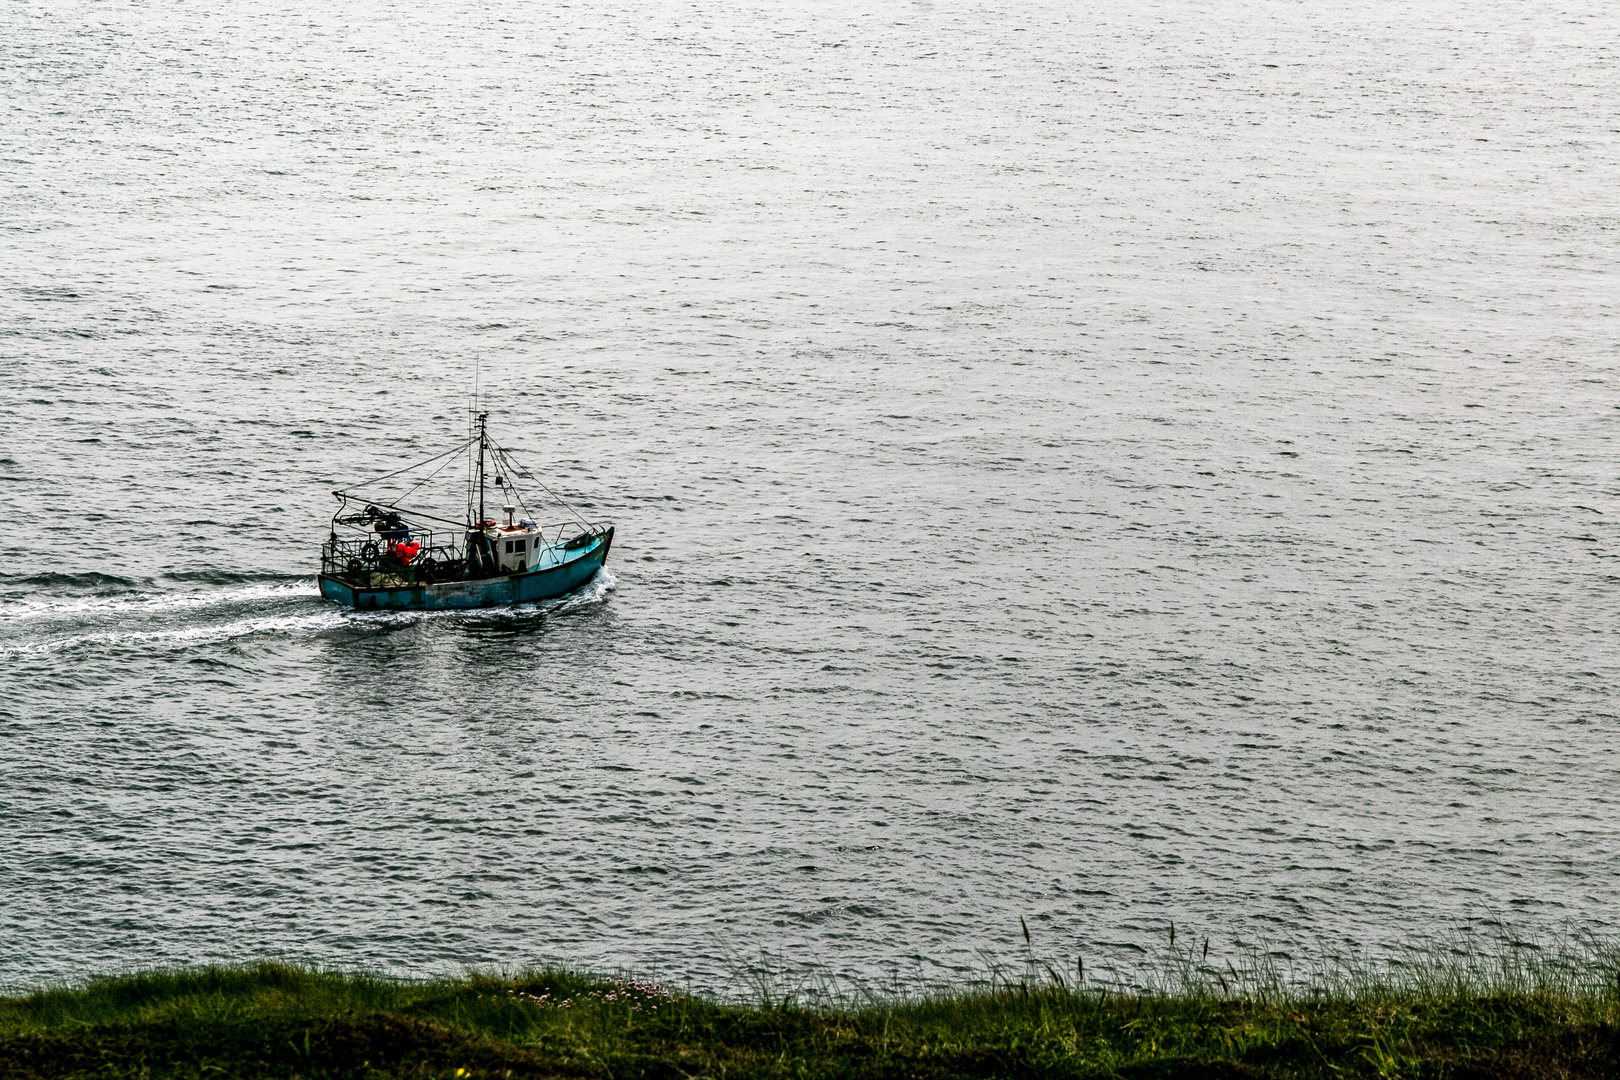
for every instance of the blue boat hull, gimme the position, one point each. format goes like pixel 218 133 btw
pixel 553 581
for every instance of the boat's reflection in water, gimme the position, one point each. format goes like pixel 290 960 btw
pixel 509 623
pixel 405 659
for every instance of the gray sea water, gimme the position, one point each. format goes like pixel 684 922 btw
pixel 1101 463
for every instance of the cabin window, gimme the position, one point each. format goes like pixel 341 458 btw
pixel 509 547
pixel 522 545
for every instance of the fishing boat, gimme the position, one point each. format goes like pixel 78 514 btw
pixel 381 555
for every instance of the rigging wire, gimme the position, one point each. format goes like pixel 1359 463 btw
pixel 417 486
pixel 416 465
pixel 502 460
pixel 502 456
pixel 515 468
pixel 537 480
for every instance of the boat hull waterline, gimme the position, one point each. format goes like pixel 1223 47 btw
pixel 526 588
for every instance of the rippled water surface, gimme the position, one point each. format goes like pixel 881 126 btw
pixel 1097 463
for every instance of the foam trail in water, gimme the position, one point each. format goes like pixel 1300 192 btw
pixel 147 604
pixel 179 637
pixel 325 617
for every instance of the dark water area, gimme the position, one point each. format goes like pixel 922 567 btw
pixel 1105 466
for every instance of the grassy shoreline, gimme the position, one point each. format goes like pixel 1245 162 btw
pixel 280 1020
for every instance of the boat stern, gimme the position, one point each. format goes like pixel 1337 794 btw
pixel 333 589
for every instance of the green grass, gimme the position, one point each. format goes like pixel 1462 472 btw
pixel 1536 1018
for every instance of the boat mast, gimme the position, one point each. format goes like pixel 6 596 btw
pixel 483 436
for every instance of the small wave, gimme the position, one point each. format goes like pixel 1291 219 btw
pixel 514 624
pixel 231 577
pixel 91 580
pixel 588 595
pixel 591 593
